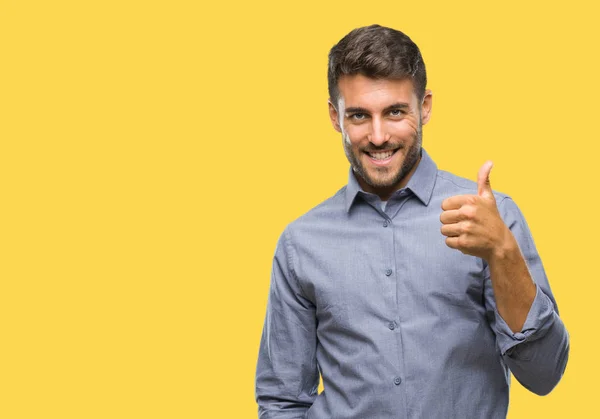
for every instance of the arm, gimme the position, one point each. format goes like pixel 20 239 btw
pixel 532 339
pixel 536 347
pixel 514 288
pixel 287 376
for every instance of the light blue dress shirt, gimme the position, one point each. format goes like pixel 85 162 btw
pixel 398 324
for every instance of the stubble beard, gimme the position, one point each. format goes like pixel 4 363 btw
pixel 412 156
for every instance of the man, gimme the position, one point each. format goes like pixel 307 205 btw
pixel 412 291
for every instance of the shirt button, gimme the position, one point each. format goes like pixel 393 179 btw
pixel 385 223
pixel 397 381
pixel 392 325
pixel 519 336
pixel 388 272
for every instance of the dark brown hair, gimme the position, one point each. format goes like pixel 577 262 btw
pixel 378 52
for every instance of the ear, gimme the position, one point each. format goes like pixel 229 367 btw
pixel 426 107
pixel 334 116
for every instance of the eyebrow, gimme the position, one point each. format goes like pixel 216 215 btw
pixel 399 105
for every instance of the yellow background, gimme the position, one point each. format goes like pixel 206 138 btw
pixel 153 151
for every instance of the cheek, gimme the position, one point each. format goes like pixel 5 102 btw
pixel 407 127
pixel 354 135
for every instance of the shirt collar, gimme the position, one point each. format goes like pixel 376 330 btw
pixel 421 182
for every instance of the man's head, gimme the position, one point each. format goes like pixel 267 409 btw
pixel 378 102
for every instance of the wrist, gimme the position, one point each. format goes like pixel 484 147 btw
pixel 507 249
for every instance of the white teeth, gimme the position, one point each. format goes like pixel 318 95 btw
pixel 381 156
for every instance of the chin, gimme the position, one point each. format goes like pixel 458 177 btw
pixel 382 181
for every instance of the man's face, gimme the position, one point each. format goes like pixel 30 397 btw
pixel 380 121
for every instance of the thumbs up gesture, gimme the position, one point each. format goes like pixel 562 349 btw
pixel 472 223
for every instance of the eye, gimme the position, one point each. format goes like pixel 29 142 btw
pixel 396 112
pixel 358 116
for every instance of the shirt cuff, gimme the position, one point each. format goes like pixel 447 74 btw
pixel 539 320
pixel 282 414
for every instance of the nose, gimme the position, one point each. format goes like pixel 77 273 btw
pixel 378 136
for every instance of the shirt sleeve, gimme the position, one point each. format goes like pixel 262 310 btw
pixel 537 355
pixel 287 375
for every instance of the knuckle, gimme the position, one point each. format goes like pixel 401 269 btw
pixel 468 226
pixel 468 212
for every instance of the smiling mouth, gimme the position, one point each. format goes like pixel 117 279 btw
pixel 381 155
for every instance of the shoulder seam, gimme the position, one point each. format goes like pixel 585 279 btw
pixel 441 174
pixel 501 195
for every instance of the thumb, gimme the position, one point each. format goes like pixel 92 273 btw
pixel 483 180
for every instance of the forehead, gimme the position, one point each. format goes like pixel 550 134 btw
pixel 369 93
